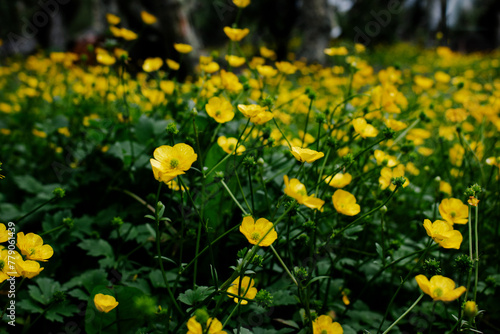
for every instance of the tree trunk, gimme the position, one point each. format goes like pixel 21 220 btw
pixel 316 26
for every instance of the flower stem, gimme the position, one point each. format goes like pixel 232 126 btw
pixel 404 314
pixel 232 196
pixel 476 223
pixel 284 265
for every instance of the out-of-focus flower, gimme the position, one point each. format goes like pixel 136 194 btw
pixel 236 34
pixel 105 59
pixel 148 18
pixel 152 64
pixel 183 48
pixel 454 211
pixel 172 64
pixel 286 67
pixel 112 19
pixel 235 61
pixel 241 3
pixel 257 114
pixel 266 71
pixel 364 129
pixel 219 109
pixel 305 154
pixel 340 180
pixel 229 144
pixel 340 51
pixel 387 174
pixel 230 81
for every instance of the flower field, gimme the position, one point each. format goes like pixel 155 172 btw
pixel 254 196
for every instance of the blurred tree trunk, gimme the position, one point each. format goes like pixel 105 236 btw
pixel 314 22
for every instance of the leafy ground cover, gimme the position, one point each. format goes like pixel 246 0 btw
pixel 254 197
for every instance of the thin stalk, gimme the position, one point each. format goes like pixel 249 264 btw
pixel 477 253
pixel 234 199
pixel 36 209
pixel 284 265
pixel 307 122
pixel 404 314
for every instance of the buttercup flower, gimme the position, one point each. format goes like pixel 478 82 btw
pixel 230 81
pixel 454 211
pixel 297 190
pixel 172 64
pixel 7 270
pixel 245 289
pixel 266 70
pixel 440 287
pixel 345 203
pixel 148 18
pixel 340 180
pixel 28 268
pixel 229 144
pixel 387 174
pixel 473 201
pixel 104 303
pixel 105 59
pixel 219 109
pixel 340 51
pixel 4 233
pixel 255 230
pixel 235 34
pixel 445 187
pixel 470 309
pixel 235 61
pixel 128 35
pixel 152 64
pixel 305 154
pixel 112 19
pixel 214 326
pixel 183 48
pixel 285 67
pixel 324 325
pixel 210 67
pixel 171 161
pixel 443 234
pixel 31 245
pixel 257 114
pixel 364 129
pixel 241 3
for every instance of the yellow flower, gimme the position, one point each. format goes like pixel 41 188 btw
pixel 31 245
pixel 219 109
pixel 245 289
pixel 454 211
pixel 104 303
pixel 266 71
pixel 7 270
pixel 255 230
pixel 241 3
pixel 395 124
pixel 470 309
pixel 324 325
pixel 105 59
pixel 229 144
pixel 297 190
pixel 112 19
pixel 305 154
pixel 167 86
pixel 340 180
pixel 423 82
pixel 340 51
pixel 235 61
pixel 171 161
pixel 172 184
pixel 230 81
pixel 456 115
pixel 440 287
pixel 64 131
pixel 172 64
pixel 385 159
pixel 210 67
pixel 456 154
pixel 4 233
pixel 257 114
pixel 442 77
pixel 115 31
pixel 267 53
pixel 128 35
pixel 473 201
pixel 360 48
pixel 148 18
pixel 345 203
pixel 28 268
pixel 285 67
pixel 387 174
pixel 152 64
pixel 364 129
pixel 183 48
pixel 445 187
pixel 214 326
pixel 443 234
pixel 235 34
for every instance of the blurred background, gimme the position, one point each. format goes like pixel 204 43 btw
pixel 303 27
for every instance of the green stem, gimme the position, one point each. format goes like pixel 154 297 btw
pixel 36 209
pixel 234 199
pixel 477 253
pixel 158 251
pixel 404 314
pixel 307 122
pixel 52 230
pixel 284 265
pixel 279 129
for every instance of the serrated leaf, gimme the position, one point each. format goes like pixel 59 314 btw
pixel 97 247
pixel 58 311
pixel 350 233
pixel 191 297
pixel 29 305
pixel 45 290
pixel 88 280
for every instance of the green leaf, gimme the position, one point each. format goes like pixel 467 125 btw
pixel 45 290
pixel 191 297
pixel 79 294
pixel 97 247
pixel 351 231
pixel 317 278
pixel 89 279
pixel 284 297
pixel 58 311
pixel 380 250
pixel 30 306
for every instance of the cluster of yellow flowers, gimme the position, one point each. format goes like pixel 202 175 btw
pixel 23 264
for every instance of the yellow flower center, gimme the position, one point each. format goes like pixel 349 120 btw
pixel 302 192
pixel 453 214
pixel 217 113
pixel 230 147
pixel 438 292
pixel 32 251
pixel 2 264
pixel 324 331
pixel 174 163
pixel 255 236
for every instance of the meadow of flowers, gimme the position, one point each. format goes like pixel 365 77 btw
pixel 256 196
